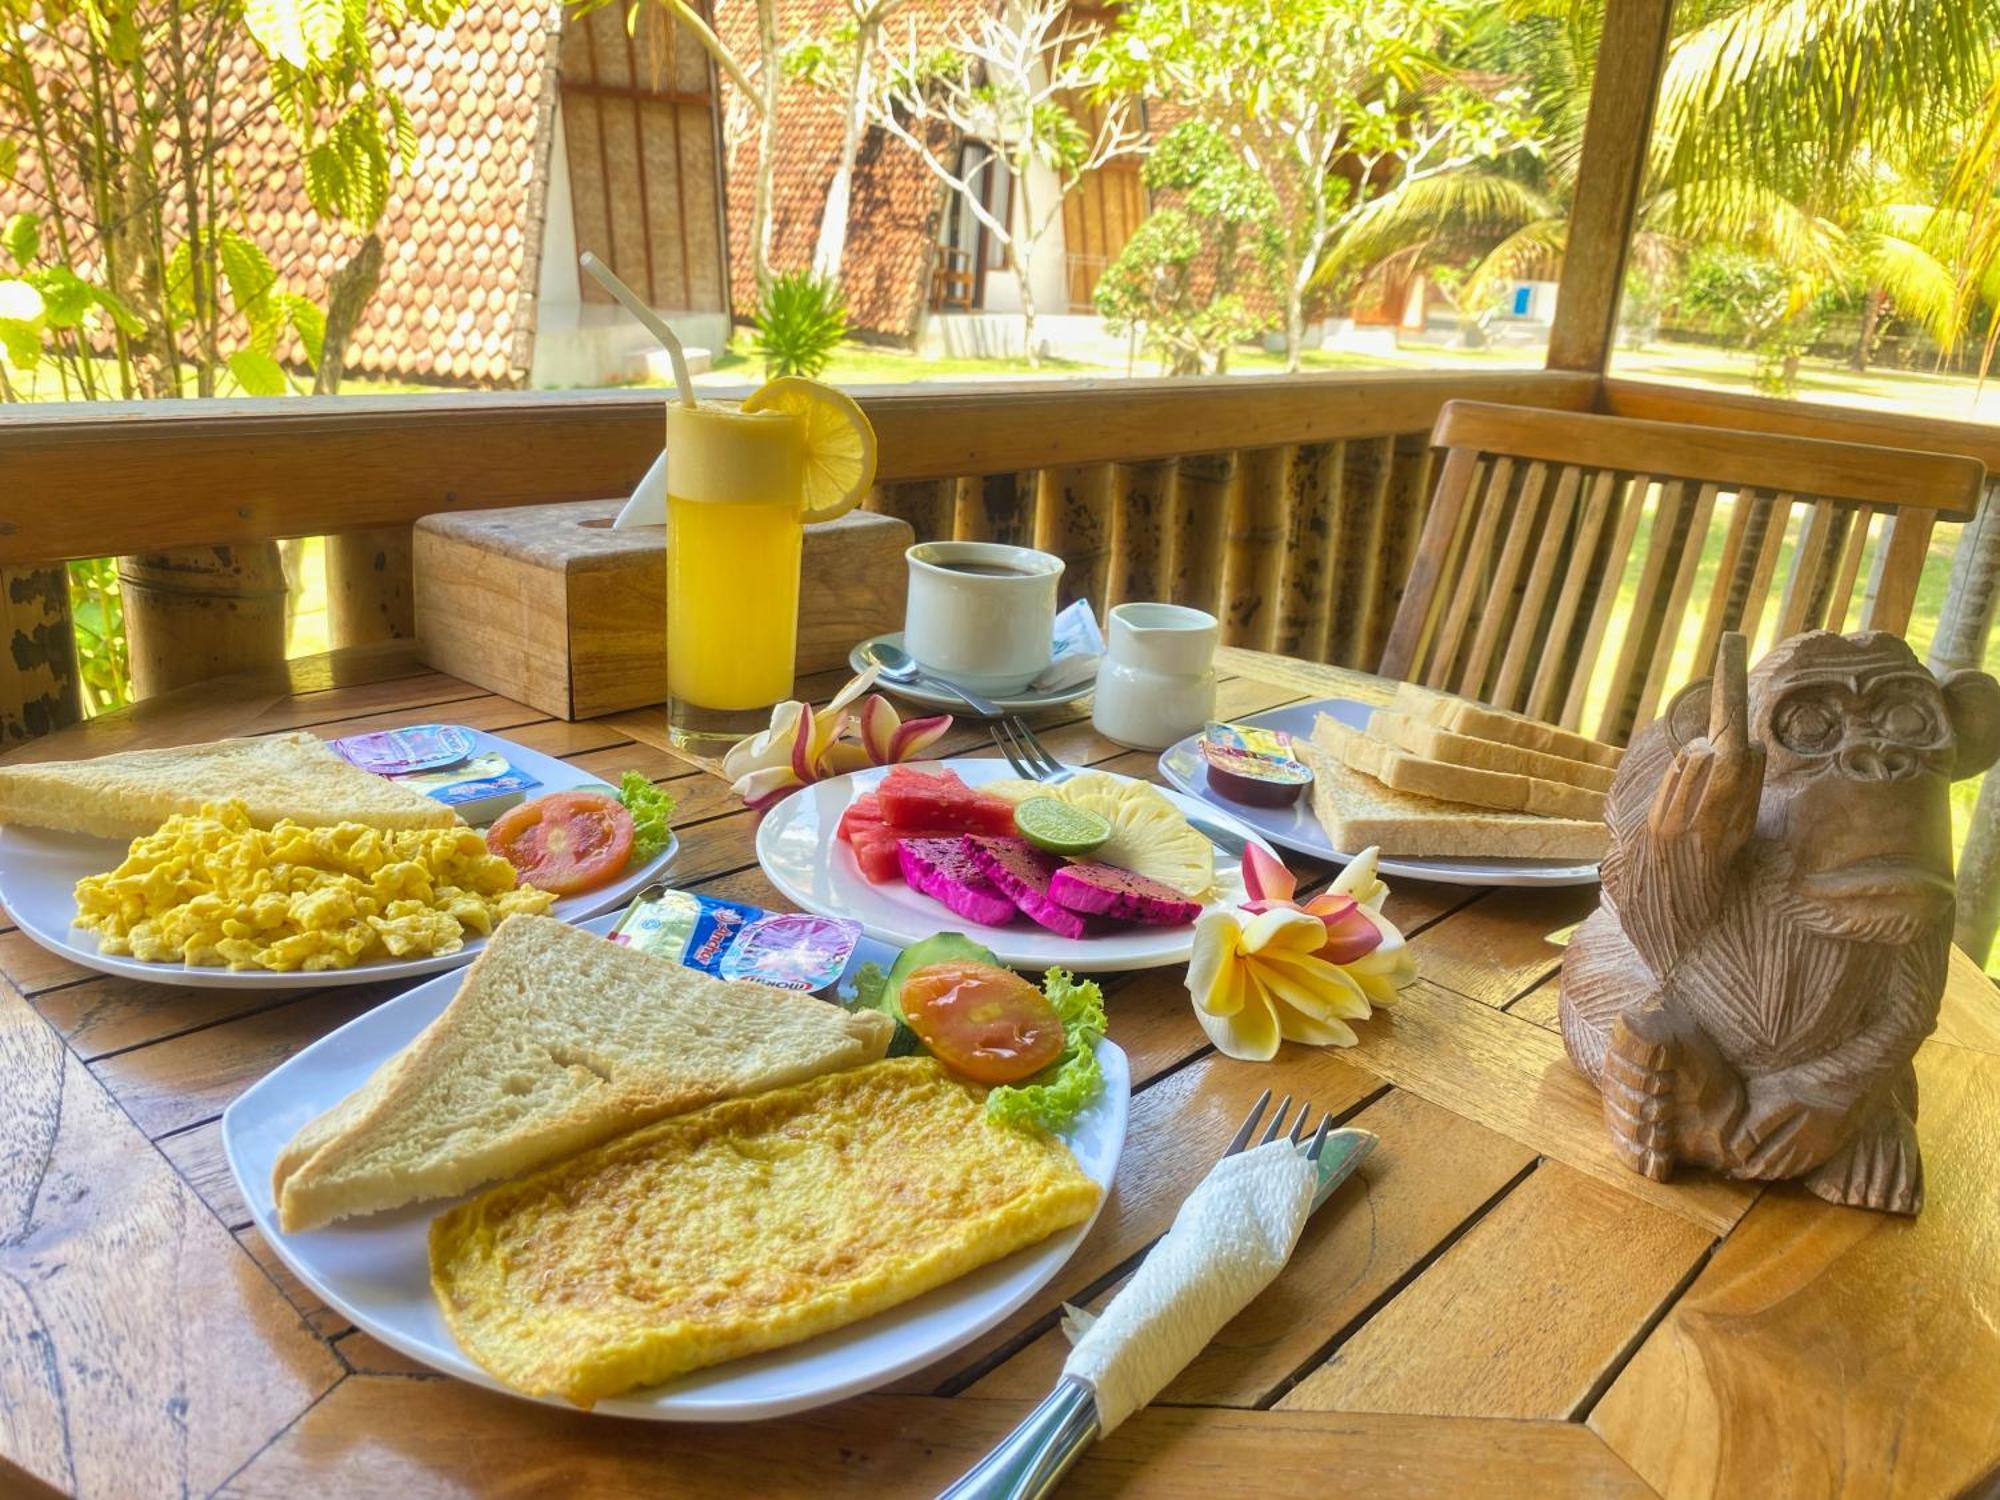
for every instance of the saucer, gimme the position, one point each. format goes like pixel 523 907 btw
pixel 918 692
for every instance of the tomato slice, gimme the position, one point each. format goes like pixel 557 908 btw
pixel 565 842
pixel 982 1022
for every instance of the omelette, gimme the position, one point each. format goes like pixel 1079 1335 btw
pixel 746 1226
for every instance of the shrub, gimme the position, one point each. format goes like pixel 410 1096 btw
pixel 801 319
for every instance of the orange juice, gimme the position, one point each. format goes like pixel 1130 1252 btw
pixel 735 491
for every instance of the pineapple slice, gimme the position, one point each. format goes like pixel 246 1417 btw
pixel 1149 836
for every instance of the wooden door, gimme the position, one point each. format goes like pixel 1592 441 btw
pixel 644 158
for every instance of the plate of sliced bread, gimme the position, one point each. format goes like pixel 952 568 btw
pixel 722 1178
pixel 1449 790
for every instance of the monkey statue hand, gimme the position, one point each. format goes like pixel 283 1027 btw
pixel 1708 799
pixel 1669 1094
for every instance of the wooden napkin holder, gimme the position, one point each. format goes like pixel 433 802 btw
pixel 548 605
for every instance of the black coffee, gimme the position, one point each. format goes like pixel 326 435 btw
pixel 984 569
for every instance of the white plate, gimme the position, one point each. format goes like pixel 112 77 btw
pixel 376 1270
pixel 1297 829
pixel 39 869
pixel 931 698
pixel 798 850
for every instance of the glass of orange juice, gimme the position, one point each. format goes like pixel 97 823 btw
pixel 741 485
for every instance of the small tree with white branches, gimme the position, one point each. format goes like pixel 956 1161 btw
pixel 1018 83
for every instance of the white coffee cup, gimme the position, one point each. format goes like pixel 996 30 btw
pixel 981 613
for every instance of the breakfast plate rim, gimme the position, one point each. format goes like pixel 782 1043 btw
pixel 30 911
pixel 1180 764
pixel 1057 1249
pixel 1021 945
pixel 917 693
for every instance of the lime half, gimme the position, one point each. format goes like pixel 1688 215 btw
pixel 1059 827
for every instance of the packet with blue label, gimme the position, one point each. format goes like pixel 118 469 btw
pixel 734 940
pixel 445 763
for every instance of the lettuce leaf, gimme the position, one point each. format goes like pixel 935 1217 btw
pixel 650 808
pixel 1054 1097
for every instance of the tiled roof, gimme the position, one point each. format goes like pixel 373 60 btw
pixel 894 208
pixel 461 233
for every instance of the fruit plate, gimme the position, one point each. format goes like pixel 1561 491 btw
pixel 799 852
pixel 1296 828
pixel 376 1271
pixel 39 869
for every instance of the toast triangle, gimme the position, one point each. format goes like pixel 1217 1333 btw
pixel 558 1039
pixel 127 795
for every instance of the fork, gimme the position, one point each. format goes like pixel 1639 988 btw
pixel 1028 1463
pixel 1031 761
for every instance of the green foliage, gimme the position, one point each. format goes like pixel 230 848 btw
pixel 1176 277
pixel 801 319
pixel 1759 304
pixel 97 612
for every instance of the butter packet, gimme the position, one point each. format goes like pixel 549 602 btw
pixel 478 789
pixel 732 940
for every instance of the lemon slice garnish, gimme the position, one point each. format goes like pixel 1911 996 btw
pixel 840 445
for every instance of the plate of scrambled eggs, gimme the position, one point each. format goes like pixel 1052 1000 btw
pixel 392 1272
pixel 210 899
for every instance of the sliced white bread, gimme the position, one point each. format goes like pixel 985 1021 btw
pixel 1356 811
pixel 1482 721
pixel 1504 791
pixel 1419 737
pixel 557 1039
pixel 296 776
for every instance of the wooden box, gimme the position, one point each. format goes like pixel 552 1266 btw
pixel 548 605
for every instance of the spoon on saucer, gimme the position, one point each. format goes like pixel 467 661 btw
pixel 897 665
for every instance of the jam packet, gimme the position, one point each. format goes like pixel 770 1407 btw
pixel 446 764
pixel 1257 767
pixel 732 940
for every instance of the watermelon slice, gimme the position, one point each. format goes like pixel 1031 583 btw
pixel 864 811
pixel 943 870
pixel 1022 872
pixel 916 801
pixel 1091 888
pixel 874 842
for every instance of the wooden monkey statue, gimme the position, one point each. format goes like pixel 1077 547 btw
pixel 1776 917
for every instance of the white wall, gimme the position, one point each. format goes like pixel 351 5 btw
pixel 1048 270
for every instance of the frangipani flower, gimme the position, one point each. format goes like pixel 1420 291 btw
pixel 1277 970
pixel 805 744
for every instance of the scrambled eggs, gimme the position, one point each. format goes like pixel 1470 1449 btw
pixel 208 888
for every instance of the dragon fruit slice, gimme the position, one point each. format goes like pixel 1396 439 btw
pixel 1022 872
pixel 943 870
pixel 1096 889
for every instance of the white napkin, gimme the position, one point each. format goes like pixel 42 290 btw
pixel 1230 1240
pixel 1078 648
pixel 648 505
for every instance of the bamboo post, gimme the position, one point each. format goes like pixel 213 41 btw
pixel 1405 503
pixel 1357 544
pixel 1254 547
pixel 927 504
pixel 1201 511
pixel 1142 532
pixel 1305 592
pixel 1964 625
pixel 1073 520
pixel 996 508
pixel 369 589
pixel 39 687
pixel 201 612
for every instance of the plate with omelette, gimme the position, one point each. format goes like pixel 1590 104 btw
pixel 273 862
pixel 584 1174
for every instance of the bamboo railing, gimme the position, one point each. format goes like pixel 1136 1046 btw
pixel 1147 489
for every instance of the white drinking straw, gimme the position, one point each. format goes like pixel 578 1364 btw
pixel 629 299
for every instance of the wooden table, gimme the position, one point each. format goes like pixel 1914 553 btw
pixel 1494 1305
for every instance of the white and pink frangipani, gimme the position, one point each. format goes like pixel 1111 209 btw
pixel 805 744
